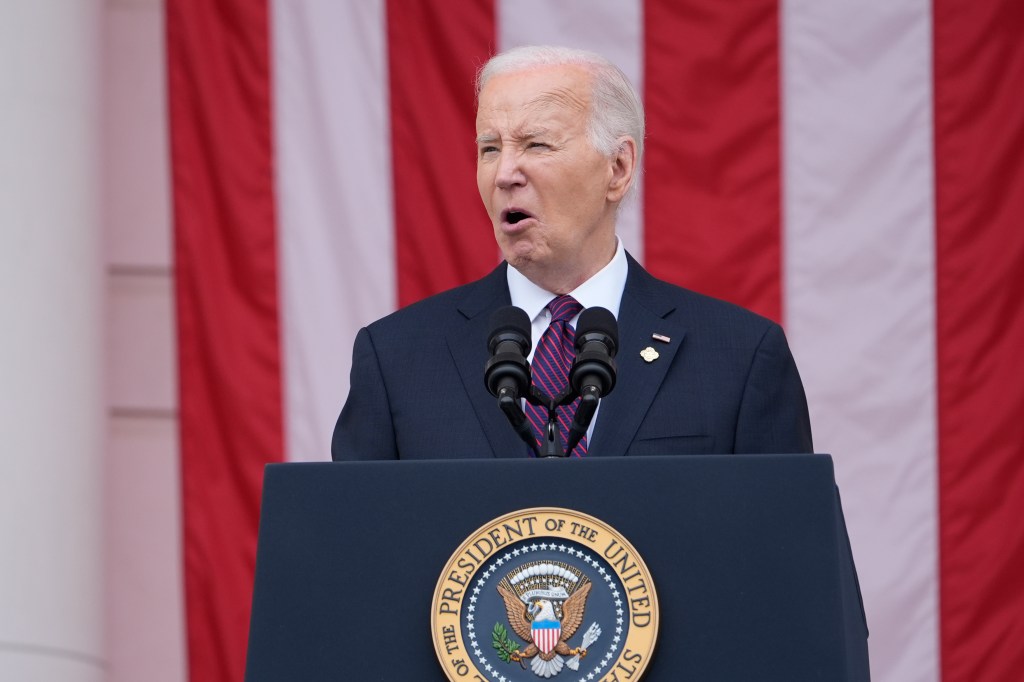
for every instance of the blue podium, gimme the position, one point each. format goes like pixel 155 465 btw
pixel 749 555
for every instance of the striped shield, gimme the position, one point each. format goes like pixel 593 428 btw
pixel 546 634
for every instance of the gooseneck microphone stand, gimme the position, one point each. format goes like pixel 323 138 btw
pixel 508 376
pixel 551 446
pixel 552 443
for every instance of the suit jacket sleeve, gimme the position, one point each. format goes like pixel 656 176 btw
pixel 365 429
pixel 773 416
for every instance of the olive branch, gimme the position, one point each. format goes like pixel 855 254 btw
pixel 502 643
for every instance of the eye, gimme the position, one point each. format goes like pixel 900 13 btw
pixel 488 149
pixel 537 145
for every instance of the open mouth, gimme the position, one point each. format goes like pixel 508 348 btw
pixel 515 215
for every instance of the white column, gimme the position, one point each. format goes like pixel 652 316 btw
pixel 52 403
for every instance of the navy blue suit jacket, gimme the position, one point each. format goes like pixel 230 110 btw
pixel 725 383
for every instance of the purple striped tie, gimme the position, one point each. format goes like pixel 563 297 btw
pixel 550 369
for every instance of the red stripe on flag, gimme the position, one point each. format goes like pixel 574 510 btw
pixel 442 232
pixel 226 268
pixel 979 140
pixel 712 188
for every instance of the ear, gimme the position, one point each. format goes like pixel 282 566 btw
pixel 623 168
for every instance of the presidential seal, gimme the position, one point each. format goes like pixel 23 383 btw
pixel 545 593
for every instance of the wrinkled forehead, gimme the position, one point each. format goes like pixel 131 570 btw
pixel 562 90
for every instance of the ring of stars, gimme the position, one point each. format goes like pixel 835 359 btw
pixel 507 556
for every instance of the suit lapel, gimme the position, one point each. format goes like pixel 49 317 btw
pixel 644 311
pixel 467 343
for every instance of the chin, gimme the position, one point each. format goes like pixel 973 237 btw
pixel 520 263
pixel 517 252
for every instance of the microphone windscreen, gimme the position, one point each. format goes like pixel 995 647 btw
pixel 599 320
pixel 510 320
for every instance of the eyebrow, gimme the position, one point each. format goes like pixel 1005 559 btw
pixel 536 132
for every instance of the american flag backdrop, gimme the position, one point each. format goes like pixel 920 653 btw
pixel 854 170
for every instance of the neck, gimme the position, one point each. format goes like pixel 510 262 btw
pixel 567 277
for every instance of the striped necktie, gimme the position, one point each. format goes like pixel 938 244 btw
pixel 550 369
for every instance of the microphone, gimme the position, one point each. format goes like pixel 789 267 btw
pixel 597 341
pixel 593 371
pixel 507 373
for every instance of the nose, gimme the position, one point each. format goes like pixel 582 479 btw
pixel 509 174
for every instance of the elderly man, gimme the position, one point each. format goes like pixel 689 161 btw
pixel 559 142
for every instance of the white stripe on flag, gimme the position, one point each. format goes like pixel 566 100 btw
pixel 860 301
pixel 335 225
pixel 613 29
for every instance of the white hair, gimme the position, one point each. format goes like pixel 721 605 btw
pixel 615 107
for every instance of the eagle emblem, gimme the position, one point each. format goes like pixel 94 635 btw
pixel 545 604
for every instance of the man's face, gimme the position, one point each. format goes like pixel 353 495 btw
pixel 550 195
